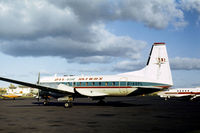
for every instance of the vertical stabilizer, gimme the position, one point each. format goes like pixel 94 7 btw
pixel 158 67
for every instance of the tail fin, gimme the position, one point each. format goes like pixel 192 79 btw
pixel 158 64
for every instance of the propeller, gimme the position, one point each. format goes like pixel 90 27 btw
pixel 38 82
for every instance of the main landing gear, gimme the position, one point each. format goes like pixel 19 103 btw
pixel 68 101
pixel 68 104
pixel 46 100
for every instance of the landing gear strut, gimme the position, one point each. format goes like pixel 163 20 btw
pixel 46 101
pixel 68 101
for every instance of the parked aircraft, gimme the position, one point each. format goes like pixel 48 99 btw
pixel 154 77
pixel 191 93
pixel 11 95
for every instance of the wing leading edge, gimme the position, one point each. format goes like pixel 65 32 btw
pixel 43 88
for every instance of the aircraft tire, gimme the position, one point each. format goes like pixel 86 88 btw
pixel 68 105
pixel 45 103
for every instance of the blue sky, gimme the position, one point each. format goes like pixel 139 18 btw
pixel 97 37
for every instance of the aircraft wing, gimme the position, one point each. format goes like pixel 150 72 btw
pixel 41 87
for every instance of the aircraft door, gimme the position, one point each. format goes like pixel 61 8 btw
pixel 123 85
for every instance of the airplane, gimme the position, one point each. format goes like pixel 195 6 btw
pixel 191 93
pixel 11 95
pixel 155 76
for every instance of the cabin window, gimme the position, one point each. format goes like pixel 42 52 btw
pixel 99 83
pixel 70 83
pixel 92 83
pixel 86 83
pixel 113 83
pixel 106 84
pixel 122 83
pixel 89 84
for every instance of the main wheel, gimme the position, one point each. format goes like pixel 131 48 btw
pixel 68 105
pixel 45 102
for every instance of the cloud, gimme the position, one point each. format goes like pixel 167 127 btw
pixel 104 44
pixel 191 5
pixel 185 63
pixel 153 13
pixel 128 65
pixel 177 63
pixel 91 59
pixel 75 30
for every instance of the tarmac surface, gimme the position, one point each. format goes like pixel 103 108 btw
pixel 118 115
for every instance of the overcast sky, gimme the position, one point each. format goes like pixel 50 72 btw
pixel 97 37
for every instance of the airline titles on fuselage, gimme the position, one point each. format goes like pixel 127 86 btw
pixel 91 78
pixel 64 79
pixel 79 79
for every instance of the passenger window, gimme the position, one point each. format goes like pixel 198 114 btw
pixel 106 84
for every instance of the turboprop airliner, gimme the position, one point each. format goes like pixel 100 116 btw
pixel 156 75
pixel 191 93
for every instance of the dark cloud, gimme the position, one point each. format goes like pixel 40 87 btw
pixel 153 13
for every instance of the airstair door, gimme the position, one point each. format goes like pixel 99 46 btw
pixel 123 85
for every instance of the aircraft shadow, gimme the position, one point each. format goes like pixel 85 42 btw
pixel 11 99
pixel 112 104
